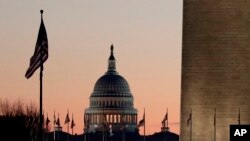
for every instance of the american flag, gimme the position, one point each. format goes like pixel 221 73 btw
pixel 41 51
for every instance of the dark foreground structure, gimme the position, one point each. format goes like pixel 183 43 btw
pixel 215 86
pixel 98 136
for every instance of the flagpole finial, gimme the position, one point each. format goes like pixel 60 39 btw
pixel 41 11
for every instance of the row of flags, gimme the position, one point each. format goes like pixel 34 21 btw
pixel 67 120
pixel 34 120
pixel 142 121
pixel 189 120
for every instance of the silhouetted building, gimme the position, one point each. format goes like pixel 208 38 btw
pixel 215 68
pixel 111 103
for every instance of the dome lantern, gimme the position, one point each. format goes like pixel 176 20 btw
pixel 111 62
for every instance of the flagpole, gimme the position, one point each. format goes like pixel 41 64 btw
pixel 58 127
pixel 123 127
pixel 85 135
pixel 165 133
pixel 68 131
pixel 41 91
pixel 47 127
pixel 54 125
pixel 124 133
pixel 72 126
pixel 85 128
pixel 214 124
pixel 103 133
pixel 67 116
pixel 144 126
pixel 239 117
pixel 37 61
pixel 68 122
pixel 167 118
pixel 104 122
pixel 191 122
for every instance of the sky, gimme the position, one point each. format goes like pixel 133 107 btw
pixel 146 36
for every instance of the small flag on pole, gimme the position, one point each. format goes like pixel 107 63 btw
pixel 189 119
pixel 54 118
pixel 239 117
pixel 58 121
pixel 67 120
pixel 164 119
pixel 142 122
pixel 40 53
pixel 72 124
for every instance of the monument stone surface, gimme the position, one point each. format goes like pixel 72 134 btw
pixel 215 68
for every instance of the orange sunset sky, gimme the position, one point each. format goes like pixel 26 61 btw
pixel 147 45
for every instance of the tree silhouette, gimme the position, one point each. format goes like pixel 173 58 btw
pixel 18 121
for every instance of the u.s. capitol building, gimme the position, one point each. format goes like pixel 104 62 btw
pixel 111 103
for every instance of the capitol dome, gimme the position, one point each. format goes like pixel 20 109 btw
pixel 111 85
pixel 111 103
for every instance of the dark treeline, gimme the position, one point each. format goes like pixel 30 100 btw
pixel 18 121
